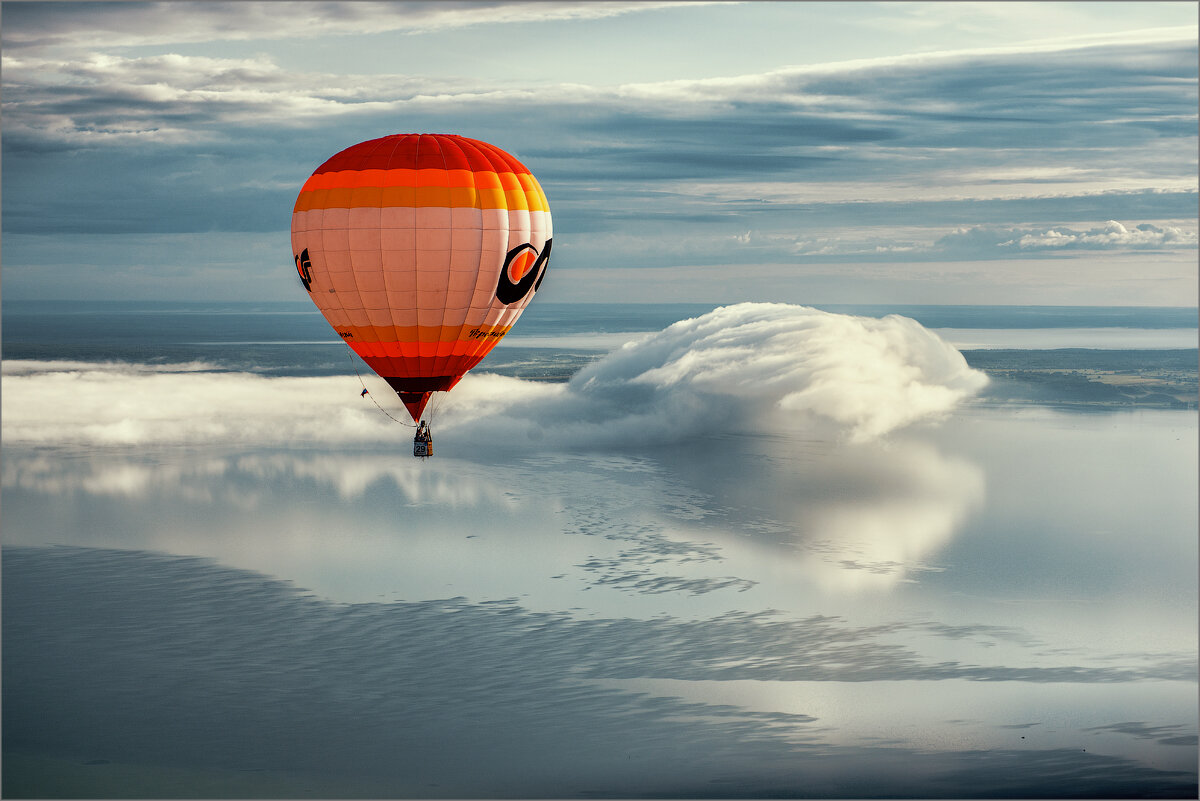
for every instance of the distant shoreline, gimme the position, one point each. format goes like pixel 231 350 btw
pixel 929 315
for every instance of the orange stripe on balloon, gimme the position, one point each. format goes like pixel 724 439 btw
pixel 420 341
pixel 419 350
pixel 419 197
pixel 399 368
pixel 350 179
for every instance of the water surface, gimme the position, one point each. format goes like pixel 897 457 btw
pixel 998 602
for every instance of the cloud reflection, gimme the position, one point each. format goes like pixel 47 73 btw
pixel 850 517
pixel 177 661
pixel 724 514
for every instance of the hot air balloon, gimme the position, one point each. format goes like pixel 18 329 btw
pixel 421 250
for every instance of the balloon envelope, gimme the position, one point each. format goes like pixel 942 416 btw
pixel 421 250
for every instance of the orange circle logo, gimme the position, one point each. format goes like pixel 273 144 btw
pixel 523 271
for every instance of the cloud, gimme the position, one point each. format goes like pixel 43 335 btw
pixel 870 161
pixel 746 367
pixel 171 99
pixel 124 404
pixel 53 25
pixel 739 367
pixel 710 411
pixel 786 148
pixel 1113 235
pixel 922 101
pixel 48 24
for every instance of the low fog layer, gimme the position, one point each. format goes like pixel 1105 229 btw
pixel 749 367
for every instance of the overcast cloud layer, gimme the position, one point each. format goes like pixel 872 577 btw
pixel 203 119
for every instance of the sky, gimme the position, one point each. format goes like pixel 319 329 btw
pixel 975 153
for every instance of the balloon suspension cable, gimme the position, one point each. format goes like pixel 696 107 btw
pixel 435 404
pixel 371 395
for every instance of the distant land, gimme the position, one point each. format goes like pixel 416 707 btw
pixel 1165 379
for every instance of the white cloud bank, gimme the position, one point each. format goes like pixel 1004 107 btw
pixel 1112 235
pixel 749 367
pixel 81 403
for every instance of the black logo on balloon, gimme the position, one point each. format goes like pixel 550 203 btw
pixel 303 264
pixel 506 291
